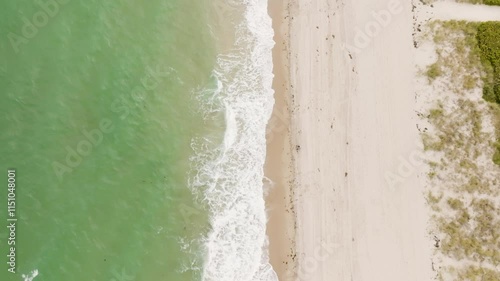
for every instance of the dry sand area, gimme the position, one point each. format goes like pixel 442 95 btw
pixel 352 123
pixel 345 153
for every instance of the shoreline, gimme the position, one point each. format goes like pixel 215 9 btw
pixel 278 165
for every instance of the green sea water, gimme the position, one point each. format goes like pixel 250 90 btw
pixel 97 118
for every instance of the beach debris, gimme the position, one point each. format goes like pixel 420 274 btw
pixel 437 242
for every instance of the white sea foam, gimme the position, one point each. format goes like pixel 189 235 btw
pixel 229 176
pixel 31 276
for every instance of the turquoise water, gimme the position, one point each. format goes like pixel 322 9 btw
pixel 133 66
pixel 137 132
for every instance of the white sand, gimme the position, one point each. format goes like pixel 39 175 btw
pixel 354 121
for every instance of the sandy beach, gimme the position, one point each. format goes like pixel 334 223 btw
pixel 347 160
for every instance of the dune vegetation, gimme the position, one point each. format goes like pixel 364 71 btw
pixel 463 145
pixel 485 2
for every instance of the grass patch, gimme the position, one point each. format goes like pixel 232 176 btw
pixel 469 82
pixel 461 67
pixel 474 273
pixel 433 71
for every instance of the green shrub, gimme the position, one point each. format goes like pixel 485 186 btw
pixel 487 2
pixel 488 93
pixel 492 2
pixel 488 38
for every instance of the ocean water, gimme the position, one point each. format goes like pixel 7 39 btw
pixel 137 133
